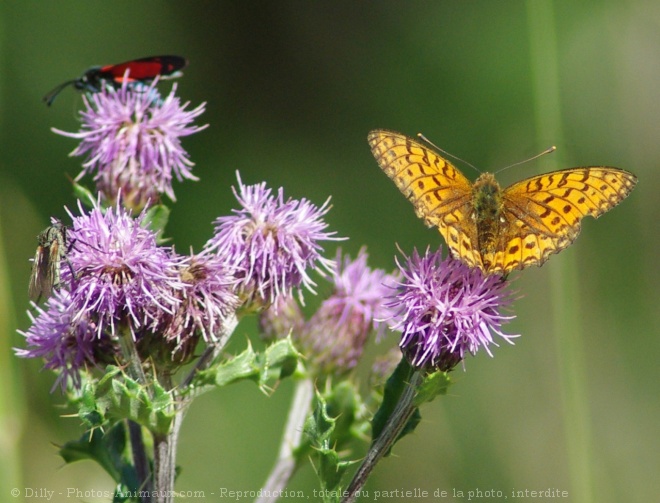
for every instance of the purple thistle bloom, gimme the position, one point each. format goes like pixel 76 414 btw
pixel 122 275
pixel 207 299
pixel 271 243
pixel 67 346
pixel 132 141
pixel 444 310
pixel 334 338
pixel 122 282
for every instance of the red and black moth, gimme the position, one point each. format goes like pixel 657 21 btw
pixel 139 70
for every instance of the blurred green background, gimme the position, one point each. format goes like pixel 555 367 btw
pixel 292 88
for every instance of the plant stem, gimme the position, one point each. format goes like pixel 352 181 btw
pixel 286 462
pixel 165 446
pixel 165 455
pixel 165 461
pixel 381 445
pixel 140 459
pixel 136 372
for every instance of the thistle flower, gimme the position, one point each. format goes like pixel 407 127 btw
pixel 121 282
pixel 445 310
pixel 334 338
pixel 67 346
pixel 132 141
pixel 271 243
pixel 122 275
pixel 207 299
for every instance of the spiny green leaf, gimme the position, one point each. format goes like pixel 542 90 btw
pixel 108 449
pixel 320 425
pixel 345 403
pixel 277 361
pixel 115 397
pixel 319 429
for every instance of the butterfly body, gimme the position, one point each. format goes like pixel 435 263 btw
pixel 487 213
pixel 498 230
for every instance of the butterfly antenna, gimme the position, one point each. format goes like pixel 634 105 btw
pixel 424 138
pixel 50 97
pixel 549 150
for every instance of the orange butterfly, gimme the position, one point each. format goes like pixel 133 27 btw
pixel 493 229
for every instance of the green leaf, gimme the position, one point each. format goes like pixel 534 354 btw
pixel 276 362
pixel 332 470
pixel 111 450
pixel 433 385
pixel 319 430
pixel 320 425
pixel 241 367
pixel 345 403
pixel 108 449
pixel 115 397
pixel 394 388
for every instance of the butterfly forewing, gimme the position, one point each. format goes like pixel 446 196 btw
pixel 494 230
pixel 440 193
